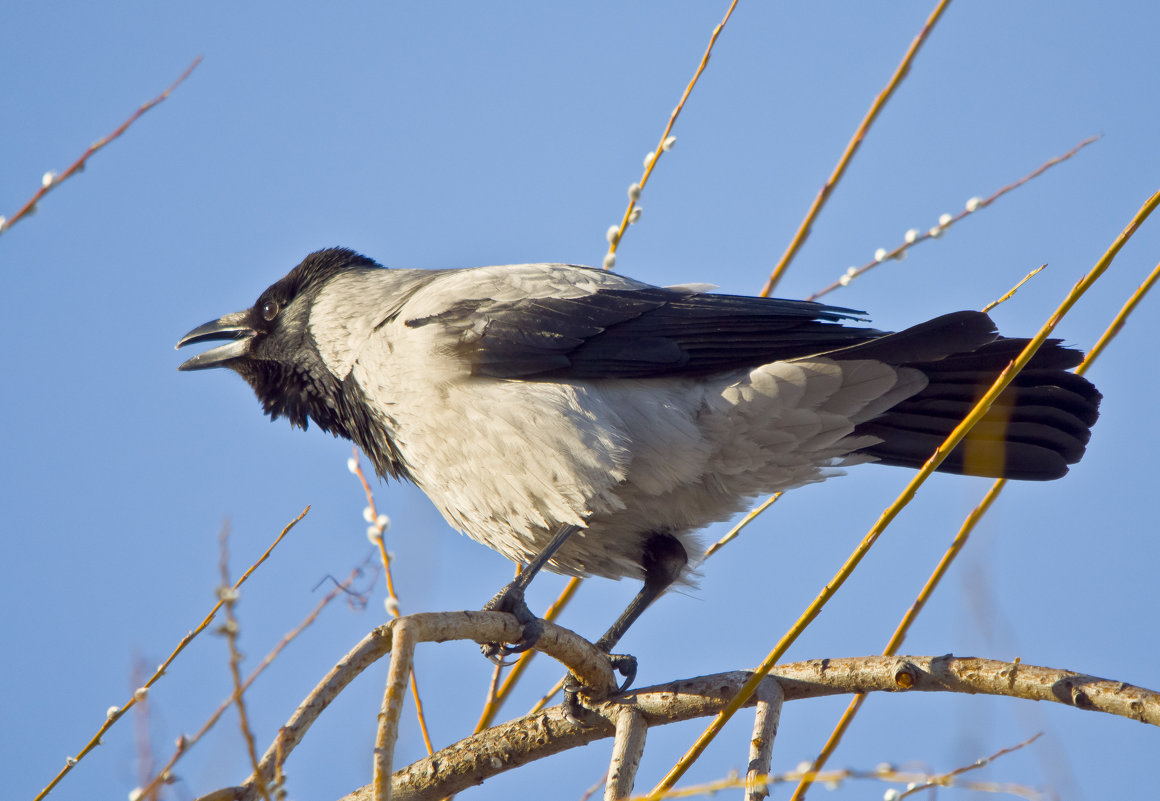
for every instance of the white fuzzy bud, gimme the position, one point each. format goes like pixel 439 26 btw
pixel 912 236
pixel 649 158
pixel 135 794
pixel 112 711
pixel 140 694
pixel 612 234
pixel 935 233
pixel 634 192
pixel 667 145
pixel 634 215
pixel 368 514
pixel 383 522
pixel 374 535
pixel 974 203
pixel 891 795
pixel 227 594
pixel 609 261
pixel 880 254
pixel 944 220
pixel 3 222
pixel 352 465
pixel 48 179
pixel 392 606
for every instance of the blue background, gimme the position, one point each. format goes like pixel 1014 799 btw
pixel 455 134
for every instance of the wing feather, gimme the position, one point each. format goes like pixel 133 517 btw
pixel 631 330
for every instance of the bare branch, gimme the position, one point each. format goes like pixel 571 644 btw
pixel 510 745
pixel 627 749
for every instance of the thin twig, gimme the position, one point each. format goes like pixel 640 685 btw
pixel 915 782
pixel 376 530
pixel 142 731
pixel 1119 320
pixel 52 180
pixel 116 713
pixel 903 628
pixel 946 779
pixel 615 234
pixel 1010 293
pixel 229 597
pixel 952 440
pixel 871 115
pixel 745 521
pixel 974 204
pixel 185 743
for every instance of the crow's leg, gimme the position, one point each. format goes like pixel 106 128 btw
pixel 511 599
pixel 663 560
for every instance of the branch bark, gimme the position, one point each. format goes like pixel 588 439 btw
pixel 509 745
pixel 534 736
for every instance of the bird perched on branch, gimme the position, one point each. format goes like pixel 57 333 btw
pixel 579 420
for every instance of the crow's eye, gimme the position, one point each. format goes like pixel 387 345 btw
pixel 270 310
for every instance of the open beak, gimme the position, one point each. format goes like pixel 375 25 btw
pixel 232 327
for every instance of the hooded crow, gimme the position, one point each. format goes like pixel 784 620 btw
pixel 579 420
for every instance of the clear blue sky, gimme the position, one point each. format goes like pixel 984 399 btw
pixel 441 135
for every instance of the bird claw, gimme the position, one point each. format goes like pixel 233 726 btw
pixel 625 665
pixel 511 600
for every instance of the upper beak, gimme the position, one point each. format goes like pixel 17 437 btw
pixel 233 327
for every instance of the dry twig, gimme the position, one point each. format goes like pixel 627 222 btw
pixel 51 180
pixel 115 713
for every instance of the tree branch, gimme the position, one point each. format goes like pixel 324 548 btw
pixel 509 745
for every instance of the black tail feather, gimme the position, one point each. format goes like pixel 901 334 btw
pixel 1035 429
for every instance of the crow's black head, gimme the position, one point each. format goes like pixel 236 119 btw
pixel 271 347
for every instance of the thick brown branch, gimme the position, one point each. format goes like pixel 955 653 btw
pixel 510 745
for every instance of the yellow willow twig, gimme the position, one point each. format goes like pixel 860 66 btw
pixel 981 408
pixel 1118 321
pixel 871 115
pixel 1011 292
pixel 745 521
pixel 900 632
pixel 960 540
pixel 117 713
pixel 615 234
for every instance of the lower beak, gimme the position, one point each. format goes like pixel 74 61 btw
pixel 232 327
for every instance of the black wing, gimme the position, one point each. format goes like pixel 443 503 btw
pixel 641 332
